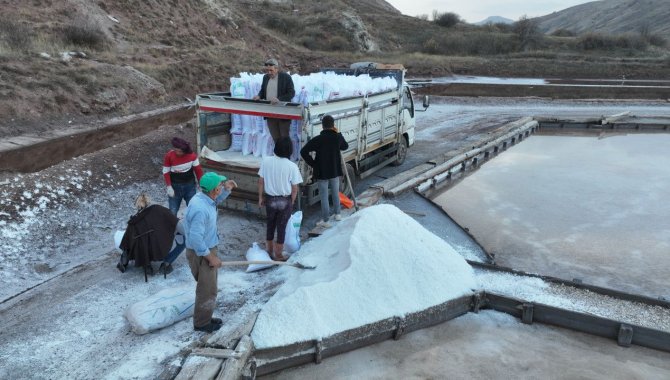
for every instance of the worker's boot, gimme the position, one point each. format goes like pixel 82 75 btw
pixel 165 268
pixel 278 253
pixel 123 262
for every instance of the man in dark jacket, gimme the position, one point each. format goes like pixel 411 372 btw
pixel 277 86
pixel 327 165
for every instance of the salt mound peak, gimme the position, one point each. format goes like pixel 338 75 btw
pixel 376 264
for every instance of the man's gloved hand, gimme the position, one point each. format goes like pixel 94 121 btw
pixel 170 192
pixel 229 185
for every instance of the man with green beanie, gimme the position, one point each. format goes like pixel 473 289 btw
pixel 201 247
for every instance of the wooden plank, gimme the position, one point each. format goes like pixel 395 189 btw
pixel 220 353
pixel 229 338
pixel 396 180
pixel 195 369
pixel 232 368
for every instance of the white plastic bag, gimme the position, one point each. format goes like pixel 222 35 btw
pixel 161 309
pixel 292 237
pixel 256 253
pixel 118 236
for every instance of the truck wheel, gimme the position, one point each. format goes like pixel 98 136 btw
pixel 401 153
pixel 344 188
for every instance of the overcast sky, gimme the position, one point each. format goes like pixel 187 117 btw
pixel 478 10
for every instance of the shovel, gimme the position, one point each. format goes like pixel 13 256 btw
pixel 263 262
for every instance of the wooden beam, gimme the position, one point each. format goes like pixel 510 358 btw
pixel 220 353
pixel 232 368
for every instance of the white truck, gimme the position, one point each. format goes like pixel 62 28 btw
pixel 378 127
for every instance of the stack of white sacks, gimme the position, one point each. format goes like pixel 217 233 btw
pixel 250 134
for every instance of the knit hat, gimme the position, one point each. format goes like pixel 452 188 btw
pixel 181 144
pixel 209 181
pixel 271 62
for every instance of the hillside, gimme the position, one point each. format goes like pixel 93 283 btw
pixel 495 20
pixel 133 55
pixel 69 62
pixel 611 17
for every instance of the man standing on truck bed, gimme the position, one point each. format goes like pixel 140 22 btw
pixel 277 86
pixel 327 165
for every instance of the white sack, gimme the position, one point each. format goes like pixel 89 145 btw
pixel 259 144
pixel 209 154
pixel 292 237
pixel 256 253
pixel 118 236
pixel 236 142
pixel 248 139
pixel 161 309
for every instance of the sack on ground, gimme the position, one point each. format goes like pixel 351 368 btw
pixel 256 253
pixel 292 238
pixel 161 309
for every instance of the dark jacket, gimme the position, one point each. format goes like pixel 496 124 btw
pixel 285 90
pixel 149 235
pixel 327 164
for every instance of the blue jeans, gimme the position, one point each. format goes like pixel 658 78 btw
pixel 180 244
pixel 184 191
pixel 334 184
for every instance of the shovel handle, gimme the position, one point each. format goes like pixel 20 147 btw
pixel 262 262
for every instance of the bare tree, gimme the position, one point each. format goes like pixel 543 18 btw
pixel 528 33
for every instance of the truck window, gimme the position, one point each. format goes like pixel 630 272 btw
pixel 407 101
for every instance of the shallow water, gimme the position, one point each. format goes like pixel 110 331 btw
pixel 575 207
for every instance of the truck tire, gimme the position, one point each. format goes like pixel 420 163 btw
pixel 401 153
pixel 344 188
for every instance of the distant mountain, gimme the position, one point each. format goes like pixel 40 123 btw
pixel 611 17
pixel 495 20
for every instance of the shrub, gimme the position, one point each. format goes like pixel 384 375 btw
pixel 338 43
pixel 85 32
pixel 15 35
pixel 476 43
pixel 596 41
pixel 563 33
pixel 288 25
pixel 656 40
pixel 431 46
pixel 447 20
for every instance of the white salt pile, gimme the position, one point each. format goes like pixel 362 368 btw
pixel 376 264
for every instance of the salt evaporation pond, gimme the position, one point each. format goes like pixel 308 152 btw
pixel 582 207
